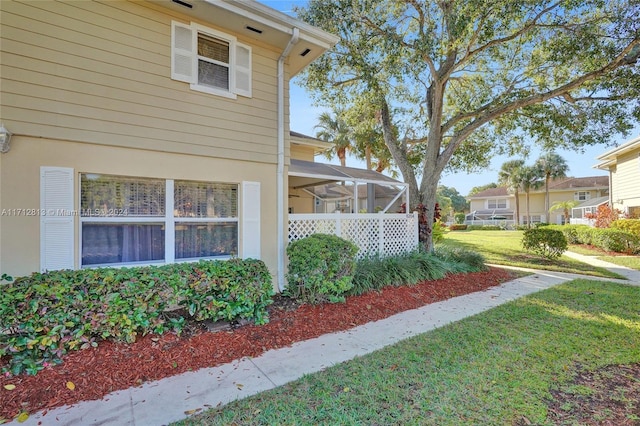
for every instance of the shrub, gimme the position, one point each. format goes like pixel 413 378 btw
pixel 459 218
pixel 412 268
pixel 584 234
pixel 605 215
pixel 631 226
pixel 52 313
pixel 484 228
pixel 615 240
pixel 457 227
pixel 570 232
pixel 548 243
pixel 437 232
pixel 460 259
pixel 228 290
pixel 320 268
pixel 376 272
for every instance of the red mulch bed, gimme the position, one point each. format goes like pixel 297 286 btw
pixel 115 366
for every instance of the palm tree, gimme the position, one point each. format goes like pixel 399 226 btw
pixel 565 206
pixel 530 179
pixel 509 175
pixel 336 131
pixel 551 166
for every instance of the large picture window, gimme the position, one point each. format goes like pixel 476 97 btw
pixel 129 220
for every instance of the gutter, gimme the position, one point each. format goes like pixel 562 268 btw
pixel 280 178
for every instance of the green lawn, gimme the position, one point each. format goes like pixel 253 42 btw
pixel 632 262
pixel 504 248
pixel 496 368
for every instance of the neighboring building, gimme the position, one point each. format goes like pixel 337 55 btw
pixel 623 165
pixel 147 132
pixel 497 204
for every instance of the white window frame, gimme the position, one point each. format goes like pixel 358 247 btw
pixel 497 203
pixel 234 67
pixel 169 221
pixel 577 195
pixel 199 29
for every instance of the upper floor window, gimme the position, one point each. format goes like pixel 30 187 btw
pixel 211 61
pixel 500 203
pixel 582 196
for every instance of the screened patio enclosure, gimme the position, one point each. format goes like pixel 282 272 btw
pixel 358 205
pixel 327 188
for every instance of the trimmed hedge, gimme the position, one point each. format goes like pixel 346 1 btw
pixel 617 239
pixel 457 227
pixel 320 268
pixel 484 228
pixel 631 226
pixel 52 313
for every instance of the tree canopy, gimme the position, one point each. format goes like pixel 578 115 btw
pixel 458 202
pixel 454 82
pixel 480 188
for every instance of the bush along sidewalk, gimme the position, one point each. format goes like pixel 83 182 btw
pixel 622 237
pixel 320 268
pixel 44 316
pixel 323 268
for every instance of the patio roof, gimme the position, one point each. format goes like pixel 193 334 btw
pixel 319 173
pixel 328 182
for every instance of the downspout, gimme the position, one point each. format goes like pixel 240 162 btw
pixel 280 177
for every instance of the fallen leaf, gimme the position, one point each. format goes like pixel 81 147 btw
pixel 71 386
pixel 9 387
pixel 239 386
pixel 190 412
pixel 22 417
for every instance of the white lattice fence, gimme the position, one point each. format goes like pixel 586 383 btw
pixel 373 233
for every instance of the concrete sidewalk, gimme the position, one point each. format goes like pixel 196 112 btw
pixel 631 274
pixel 174 398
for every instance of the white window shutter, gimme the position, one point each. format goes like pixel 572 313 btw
pixel 56 219
pixel 184 62
pixel 250 225
pixel 243 70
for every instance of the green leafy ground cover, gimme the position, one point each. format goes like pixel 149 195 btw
pixel 498 367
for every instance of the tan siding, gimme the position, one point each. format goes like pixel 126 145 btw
pixel 302 152
pixel 100 73
pixel 477 205
pixel 626 177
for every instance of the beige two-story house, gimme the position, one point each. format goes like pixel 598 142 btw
pixel 499 204
pixel 623 165
pixel 146 132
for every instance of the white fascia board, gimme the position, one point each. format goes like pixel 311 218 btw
pixel 627 146
pixel 278 21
